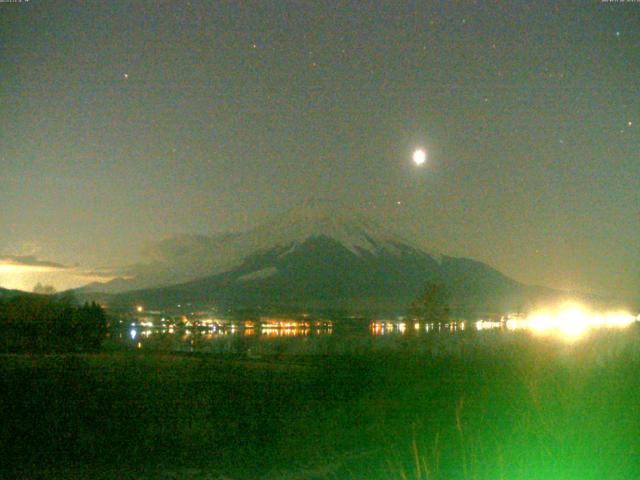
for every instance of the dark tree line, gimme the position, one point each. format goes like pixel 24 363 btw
pixel 44 323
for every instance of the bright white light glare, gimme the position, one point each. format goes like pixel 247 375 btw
pixel 487 325
pixel 133 333
pixel 570 321
pixel 419 156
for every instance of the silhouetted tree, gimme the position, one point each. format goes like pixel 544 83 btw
pixel 432 305
pixel 44 289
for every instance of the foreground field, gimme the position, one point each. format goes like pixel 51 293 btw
pixel 516 409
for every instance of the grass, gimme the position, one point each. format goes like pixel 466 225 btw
pixel 508 408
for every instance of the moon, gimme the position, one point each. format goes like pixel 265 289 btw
pixel 419 156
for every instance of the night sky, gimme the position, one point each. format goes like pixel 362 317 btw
pixel 126 122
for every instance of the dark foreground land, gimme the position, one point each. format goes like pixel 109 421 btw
pixel 519 409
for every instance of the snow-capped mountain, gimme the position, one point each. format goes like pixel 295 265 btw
pixel 187 257
pixel 317 255
pixel 314 218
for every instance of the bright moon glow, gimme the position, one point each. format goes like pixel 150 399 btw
pixel 419 156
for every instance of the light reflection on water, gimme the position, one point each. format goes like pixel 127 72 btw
pixel 388 327
pixel 228 336
pixel 569 322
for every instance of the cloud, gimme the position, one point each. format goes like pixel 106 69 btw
pixel 29 262
pixel 106 272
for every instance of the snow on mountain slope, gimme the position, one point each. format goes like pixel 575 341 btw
pixel 186 257
pixel 315 218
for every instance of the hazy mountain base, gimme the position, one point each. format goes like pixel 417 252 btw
pixel 493 406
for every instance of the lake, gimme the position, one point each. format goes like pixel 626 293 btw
pixel 268 335
pixel 376 399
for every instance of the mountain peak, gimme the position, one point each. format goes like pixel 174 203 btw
pixel 316 217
